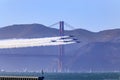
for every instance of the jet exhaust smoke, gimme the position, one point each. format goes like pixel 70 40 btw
pixel 20 43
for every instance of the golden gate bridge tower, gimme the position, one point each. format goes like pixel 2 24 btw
pixel 61 56
pixel 61 47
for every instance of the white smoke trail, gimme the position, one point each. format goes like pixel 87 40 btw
pixel 19 43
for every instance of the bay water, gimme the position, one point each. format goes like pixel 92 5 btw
pixel 67 76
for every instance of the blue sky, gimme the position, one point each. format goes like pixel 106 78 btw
pixel 93 15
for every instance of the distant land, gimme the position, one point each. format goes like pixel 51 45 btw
pixel 97 52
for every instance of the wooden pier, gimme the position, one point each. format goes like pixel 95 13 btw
pixel 20 78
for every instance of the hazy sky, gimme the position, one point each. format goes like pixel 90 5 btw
pixel 93 15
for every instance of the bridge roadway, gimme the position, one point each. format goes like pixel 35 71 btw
pixel 34 55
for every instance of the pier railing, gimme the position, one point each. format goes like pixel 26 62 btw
pixel 20 78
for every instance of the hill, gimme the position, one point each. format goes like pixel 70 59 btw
pixel 98 51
